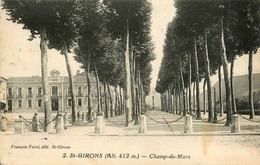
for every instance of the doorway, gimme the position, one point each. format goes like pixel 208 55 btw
pixel 55 104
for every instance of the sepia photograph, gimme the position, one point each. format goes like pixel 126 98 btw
pixel 125 82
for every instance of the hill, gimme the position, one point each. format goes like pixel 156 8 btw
pixel 241 87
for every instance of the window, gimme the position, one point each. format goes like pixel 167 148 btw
pixel 79 102
pixel 20 103
pixel 80 91
pixel 69 103
pixel 54 90
pixel 39 91
pixel 29 91
pixel 39 102
pixel 10 91
pixel 29 103
pixel 19 92
pixel 69 93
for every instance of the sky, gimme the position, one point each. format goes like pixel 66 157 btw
pixel 20 57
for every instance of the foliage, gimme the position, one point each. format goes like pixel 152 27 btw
pixel 241 27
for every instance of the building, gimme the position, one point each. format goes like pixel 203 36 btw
pixel 3 82
pixel 24 94
pixel 153 99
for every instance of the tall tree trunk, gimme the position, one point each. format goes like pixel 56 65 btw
pixel 144 102
pixel 101 101
pixel 234 109
pixel 172 97
pixel 204 96
pixel 187 100
pixel 172 90
pixel 133 94
pixel 166 94
pixel 190 84
pixel 121 101
pixel 138 100
pixel 251 97
pixel 123 109
pixel 225 67
pixel 220 90
pixel 98 93
pixel 128 79
pixel 116 101
pixel 162 102
pixel 105 100
pixel 142 95
pixel 165 101
pixel 71 82
pixel 111 101
pixel 174 101
pixel 86 65
pixel 182 88
pixel 215 107
pixel 207 71
pixel 180 100
pixel 45 81
pixel 194 97
pixel 197 81
pixel 169 99
pixel 89 91
pixel 137 107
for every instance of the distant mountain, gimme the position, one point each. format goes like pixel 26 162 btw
pixel 241 87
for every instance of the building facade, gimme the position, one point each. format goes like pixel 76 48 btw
pixel 3 83
pixel 25 94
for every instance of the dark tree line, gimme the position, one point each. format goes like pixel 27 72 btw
pixel 203 37
pixel 111 39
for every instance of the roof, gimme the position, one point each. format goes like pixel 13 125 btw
pixel 3 79
pixel 81 77
pixel 36 79
pixel 24 80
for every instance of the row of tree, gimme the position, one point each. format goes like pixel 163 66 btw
pixel 109 38
pixel 203 37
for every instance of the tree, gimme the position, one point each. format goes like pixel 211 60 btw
pixel 203 22
pixel 241 20
pixel 245 30
pixel 227 84
pixel 109 64
pixel 129 16
pixel 87 22
pixel 174 69
pixel 220 90
pixel 37 16
pixel 204 96
pixel 61 37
